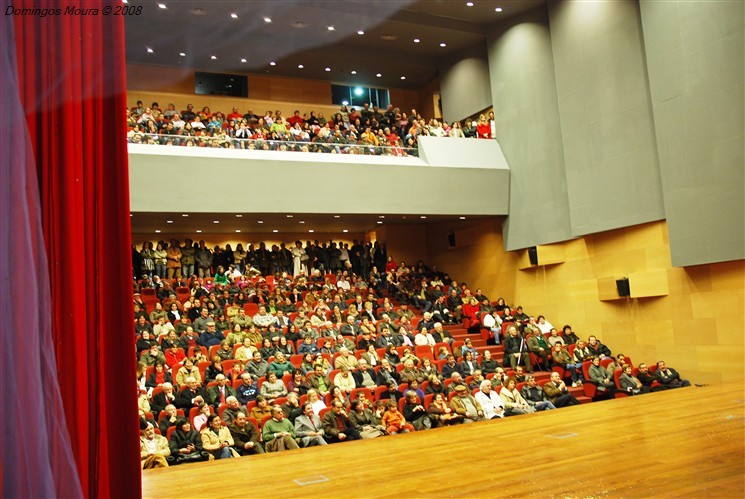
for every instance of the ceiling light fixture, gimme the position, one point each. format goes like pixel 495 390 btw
pixel 380 221
pixel 381 216
pixel 423 216
pixel 259 221
pixel 327 69
pixel 272 63
pixel 125 1
pixel 198 231
pixel 469 4
pixel 214 57
pixel 311 230
pixel 149 50
pixel 443 44
pixel 462 218
pixel 182 54
pixel 331 28
pixel 289 216
pixel 300 66
pixel 215 221
pixel 162 6
pixel 237 230
pixel 378 75
pixel 360 32
pixel 234 15
pixel 403 77
pixel 345 230
pixel 244 61
pixel 157 231
pixel 267 19
pixel 169 221
pixel 238 215
pixel 184 214
pixel 354 72
pixel 275 231
pixel 337 216
pixel 417 40
pixel 498 9
pixel 302 221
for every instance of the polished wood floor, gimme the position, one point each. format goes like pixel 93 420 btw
pixel 688 442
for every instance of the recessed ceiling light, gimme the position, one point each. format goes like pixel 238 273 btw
pixel 214 57
pixel 423 216
pixel 469 4
pixel 498 9
pixel 149 50
pixel 345 230
pixel 300 66
pixel 259 221
pixel 234 15
pixel 125 1
pixel 331 28
pixel 272 63
pixel 157 231
pixel 378 75
pixel 131 215
pixel 443 44
pixel 327 69
pixel 381 216
pixel 244 60
pixel 345 103
pixel 462 218
pixel 380 221
pixel 215 221
pixel 275 230
pixel 237 230
pixel 354 72
pixel 289 216
pixel 267 19
pixel 162 6
pixel 360 32
pixel 184 214
pixel 311 230
pixel 417 40
pixel 182 54
pixel 337 216
pixel 198 231
pixel 169 221
pixel 238 215
pixel 403 77
pixel 302 221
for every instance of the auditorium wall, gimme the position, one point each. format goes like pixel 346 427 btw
pixel 697 326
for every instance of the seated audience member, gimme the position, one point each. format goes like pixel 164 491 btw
pixel 273 387
pixel 217 440
pixel 581 353
pixel 362 417
pixel 414 412
pixel 516 350
pixel 247 390
pixel 319 380
pixel 394 421
pixel 308 428
pixel 669 377
pixel 388 373
pixel 554 338
pixel 630 384
pixel 345 381
pixel 152 356
pixel 170 418
pixel 648 379
pixel 186 443
pixel 537 345
pixel 159 376
pixel 562 358
pixel 337 426
pixel 200 420
pixel 154 449
pixel 441 413
pixel 535 396
pixel 278 432
pixel 493 323
pixel 220 393
pixel 346 359
pixel 514 403
pixel 257 367
pixel 599 376
pixel 558 393
pixel 570 338
pixel 469 365
pixel 489 401
pixel 262 409
pixel 364 377
pixel 245 436
pixel 466 406
pixel 291 407
pixel 188 370
pixel 191 396
pixel 597 349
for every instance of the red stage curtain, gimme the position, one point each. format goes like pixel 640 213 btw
pixel 71 71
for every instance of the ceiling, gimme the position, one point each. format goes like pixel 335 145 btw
pixel 283 223
pixel 299 34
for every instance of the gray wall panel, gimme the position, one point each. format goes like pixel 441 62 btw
pixel 695 57
pixel 610 151
pixel 464 84
pixel 528 129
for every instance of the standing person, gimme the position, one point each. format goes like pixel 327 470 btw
pixel 299 259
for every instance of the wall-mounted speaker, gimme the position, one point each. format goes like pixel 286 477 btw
pixel 622 285
pixel 451 239
pixel 533 255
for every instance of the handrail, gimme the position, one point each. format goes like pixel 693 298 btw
pixel 314 146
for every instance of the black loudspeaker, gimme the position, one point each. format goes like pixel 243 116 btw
pixel 451 239
pixel 622 285
pixel 533 255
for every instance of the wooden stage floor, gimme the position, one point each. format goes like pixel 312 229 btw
pixel 679 443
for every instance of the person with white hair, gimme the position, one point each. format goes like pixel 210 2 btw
pixel 491 403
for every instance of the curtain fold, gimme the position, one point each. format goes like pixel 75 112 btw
pixel 71 72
